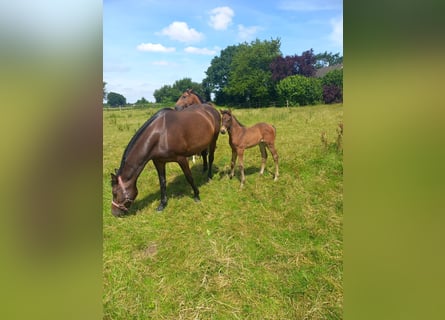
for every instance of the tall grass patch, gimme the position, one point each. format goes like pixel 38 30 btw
pixel 272 250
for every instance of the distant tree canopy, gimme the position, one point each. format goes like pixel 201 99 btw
pixel 326 59
pixel 252 74
pixel 115 99
pixel 283 67
pixel 250 78
pixel 171 93
pixel 142 101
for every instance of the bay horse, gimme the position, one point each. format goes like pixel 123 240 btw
pixel 242 138
pixel 187 99
pixel 168 136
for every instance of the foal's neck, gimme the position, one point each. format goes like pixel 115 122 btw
pixel 236 126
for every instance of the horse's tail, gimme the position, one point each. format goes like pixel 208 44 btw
pixel 274 130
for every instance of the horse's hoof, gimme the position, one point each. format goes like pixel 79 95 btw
pixel 161 207
pixel 197 199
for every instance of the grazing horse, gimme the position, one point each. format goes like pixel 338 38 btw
pixel 242 138
pixel 168 136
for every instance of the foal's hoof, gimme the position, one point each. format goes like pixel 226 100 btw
pixel 197 199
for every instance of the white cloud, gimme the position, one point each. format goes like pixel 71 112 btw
pixel 247 33
pixel 313 5
pixel 221 18
pixel 180 31
pixel 337 31
pixel 204 51
pixel 154 47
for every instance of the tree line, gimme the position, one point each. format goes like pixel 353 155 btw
pixel 256 74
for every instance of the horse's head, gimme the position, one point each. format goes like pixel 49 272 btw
pixel 226 121
pixel 123 196
pixel 187 99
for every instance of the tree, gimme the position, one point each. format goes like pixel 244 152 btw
pixel 142 101
pixel 250 78
pixel 217 74
pixel 326 59
pixel 300 90
pixel 171 93
pixel 333 86
pixel 282 67
pixel 115 99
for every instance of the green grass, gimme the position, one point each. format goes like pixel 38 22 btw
pixel 272 250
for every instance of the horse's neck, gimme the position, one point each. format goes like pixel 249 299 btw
pixel 236 126
pixel 131 169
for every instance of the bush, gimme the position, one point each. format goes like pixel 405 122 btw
pixel 300 90
pixel 332 94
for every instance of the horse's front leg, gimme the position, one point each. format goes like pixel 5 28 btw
pixel 160 168
pixel 183 163
pixel 232 164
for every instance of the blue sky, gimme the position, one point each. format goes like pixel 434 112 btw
pixel 151 43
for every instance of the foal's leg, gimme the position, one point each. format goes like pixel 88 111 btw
pixel 183 163
pixel 160 168
pixel 263 157
pixel 232 164
pixel 272 150
pixel 241 165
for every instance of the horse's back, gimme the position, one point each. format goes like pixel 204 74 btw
pixel 209 110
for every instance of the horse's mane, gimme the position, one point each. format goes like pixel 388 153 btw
pixel 199 97
pixel 137 135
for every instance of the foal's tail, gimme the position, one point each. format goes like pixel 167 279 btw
pixel 274 130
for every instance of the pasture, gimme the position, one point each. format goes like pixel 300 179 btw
pixel 273 250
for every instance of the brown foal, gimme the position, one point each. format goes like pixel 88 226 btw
pixel 242 138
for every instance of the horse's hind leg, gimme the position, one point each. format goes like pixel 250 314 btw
pixel 263 157
pixel 183 163
pixel 241 166
pixel 211 152
pixel 272 150
pixel 204 160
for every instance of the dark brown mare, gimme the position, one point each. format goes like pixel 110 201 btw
pixel 168 136
pixel 242 138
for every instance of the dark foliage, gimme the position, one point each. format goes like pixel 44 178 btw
pixel 304 65
pixel 332 94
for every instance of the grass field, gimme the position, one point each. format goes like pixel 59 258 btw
pixel 272 250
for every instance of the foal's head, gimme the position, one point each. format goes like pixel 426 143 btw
pixel 123 196
pixel 226 121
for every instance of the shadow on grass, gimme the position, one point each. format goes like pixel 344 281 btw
pixel 252 170
pixel 177 188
